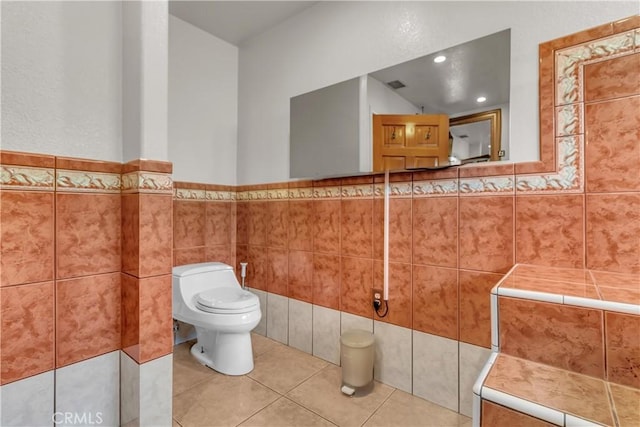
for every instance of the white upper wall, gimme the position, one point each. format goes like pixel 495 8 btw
pixel 335 41
pixel 61 78
pixel 203 105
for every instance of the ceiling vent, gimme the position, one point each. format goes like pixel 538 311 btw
pixel 396 84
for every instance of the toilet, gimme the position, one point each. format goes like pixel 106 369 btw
pixel 209 297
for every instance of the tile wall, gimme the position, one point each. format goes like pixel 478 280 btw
pixel 86 254
pixel 453 233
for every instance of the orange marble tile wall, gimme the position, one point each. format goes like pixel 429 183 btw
pixel 147 255
pixel 203 224
pixel 60 289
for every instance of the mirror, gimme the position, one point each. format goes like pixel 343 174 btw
pixel 331 128
pixel 476 137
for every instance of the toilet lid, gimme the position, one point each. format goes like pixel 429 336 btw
pixel 227 300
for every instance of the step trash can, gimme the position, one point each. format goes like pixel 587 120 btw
pixel 356 356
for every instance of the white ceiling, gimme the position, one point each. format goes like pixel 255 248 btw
pixel 236 21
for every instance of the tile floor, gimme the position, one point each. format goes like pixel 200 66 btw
pixel 291 388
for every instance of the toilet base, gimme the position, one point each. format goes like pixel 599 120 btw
pixel 229 354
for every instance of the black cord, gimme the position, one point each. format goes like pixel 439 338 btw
pixel 386 309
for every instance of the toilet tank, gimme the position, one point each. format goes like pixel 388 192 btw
pixel 191 279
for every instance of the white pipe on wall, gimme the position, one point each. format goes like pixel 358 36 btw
pixel 387 190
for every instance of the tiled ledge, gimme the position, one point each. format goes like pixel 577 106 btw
pixel 608 291
pixel 555 395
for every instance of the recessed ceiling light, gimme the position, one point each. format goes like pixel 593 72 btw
pixel 481 99
pixel 440 58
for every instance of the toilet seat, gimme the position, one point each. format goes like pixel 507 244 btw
pixel 227 300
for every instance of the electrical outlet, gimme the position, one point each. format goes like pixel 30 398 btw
pixel 377 294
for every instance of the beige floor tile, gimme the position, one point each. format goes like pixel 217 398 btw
pixel 404 409
pixel 285 413
pixel 283 368
pixel 262 344
pixel 187 372
pixel 321 394
pixel 221 401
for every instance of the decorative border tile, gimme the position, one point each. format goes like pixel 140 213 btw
pixel 147 182
pixel 189 194
pixel 570 61
pixel 448 187
pixel 568 178
pixel 253 195
pixel 80 181
pixel 27 178
pixel 278 194
pixel 220 196
pixel 327 192
pixel 487 186
pixel 357 191
pixel 301 193
pixel 570 119
pixel 398 189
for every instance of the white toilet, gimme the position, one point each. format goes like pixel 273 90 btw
pixel 208 296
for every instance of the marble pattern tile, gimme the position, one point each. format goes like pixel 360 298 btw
pixel 475 308
pixel 435 300
pixel 28 402
pixel 472 360
pixel 285 368
pixel 156 323
pixel 400 229
pixel 403 409
pixel 326 280
pixel 217 223
pixel 321 394
pixel 558 389
pixel 87 317
pixel 559 335
pixel 301 325
pixel 350 321
pixel 156 401
pixel 189 255
pixel 393 356
pixel 301 225
pixel 550 286
pixel 612 230
pixel 242 222
pixel 612 129
pixel 278 224
pixel 91 387
pixel 88 234
pixel 486 233
pixel 616 280
pixel 278 318
pixel 435 369
pixel 155 230
pixel 300 276
pixel 26 237
pixel 130 312
pixel 357 228
pixel 623 348
pixel 435 231
pixel 611 79
pixel 262 326
pixel 277 271
pixel 356 286
pixel 284 412
pixel 220 253
pixel 326 334
pixel 496 415
pixel 572 275
pixel 326 226
pixel 130 228
pixel 188 223
pixel 27 339
pixel 257 270
pixel 400 293
pixel 549 230
pixel 625 400
pixel 257 223
pixel 242 398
